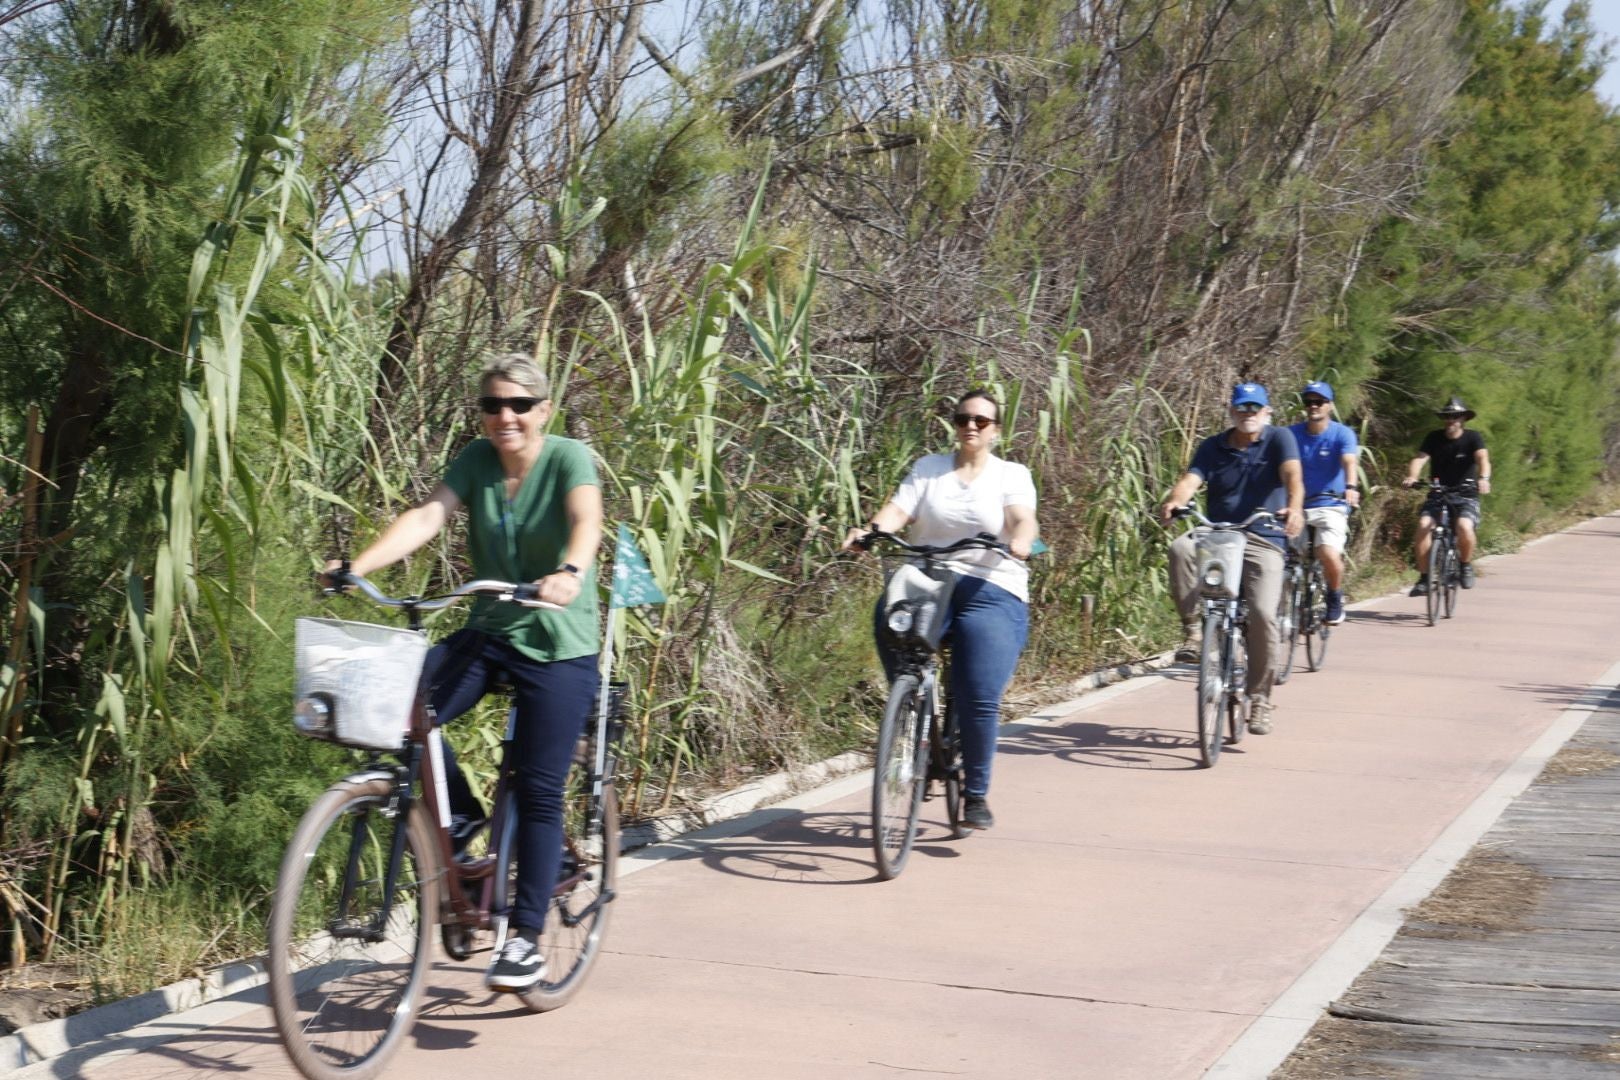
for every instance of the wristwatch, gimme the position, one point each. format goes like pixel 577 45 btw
pixel 570 568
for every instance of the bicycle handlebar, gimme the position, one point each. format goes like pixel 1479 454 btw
pixel 1467 487
pixel 1258 517
pixel 526 594
pixel 982 541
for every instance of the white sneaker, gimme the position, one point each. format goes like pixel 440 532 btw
pixel 1260 717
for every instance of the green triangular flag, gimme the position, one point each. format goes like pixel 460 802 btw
pixel 633 581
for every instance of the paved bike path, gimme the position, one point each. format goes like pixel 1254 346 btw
pixel 1129 916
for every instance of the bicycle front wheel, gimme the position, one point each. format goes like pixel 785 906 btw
pixel 1211 690
pixel 1316 625
pixel 1453 581
pixel 347 954
pixel 898 777
pixel 583 898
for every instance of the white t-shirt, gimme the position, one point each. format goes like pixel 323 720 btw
pixel 945 510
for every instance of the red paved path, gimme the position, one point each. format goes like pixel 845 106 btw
pixel 1128 917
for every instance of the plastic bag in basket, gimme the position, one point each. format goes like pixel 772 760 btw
pixel 356 681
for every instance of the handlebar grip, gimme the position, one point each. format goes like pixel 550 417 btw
pixel 526 592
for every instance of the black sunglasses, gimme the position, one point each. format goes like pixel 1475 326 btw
pixel 963 419
pixel 1313 402
pixel 519 405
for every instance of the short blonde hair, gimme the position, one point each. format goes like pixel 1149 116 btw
pixel 516 367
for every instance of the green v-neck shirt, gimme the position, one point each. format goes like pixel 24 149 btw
pixel 524 540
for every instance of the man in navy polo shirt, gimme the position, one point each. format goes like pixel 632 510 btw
pixel 1328 452
pixel 1249 466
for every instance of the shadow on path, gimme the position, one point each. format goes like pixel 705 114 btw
pixel 822 848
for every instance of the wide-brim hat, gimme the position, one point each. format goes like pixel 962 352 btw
pixel 1455 407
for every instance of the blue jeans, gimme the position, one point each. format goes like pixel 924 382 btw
pixel 553 702
pixel 986 629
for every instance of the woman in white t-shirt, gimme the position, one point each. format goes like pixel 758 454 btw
pixel 949 497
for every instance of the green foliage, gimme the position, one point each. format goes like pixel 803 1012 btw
pixel 1497 289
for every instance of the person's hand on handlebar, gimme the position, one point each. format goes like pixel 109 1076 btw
pixel 854 535
pixel 560 587
pixel 326 578
pixel 1293 521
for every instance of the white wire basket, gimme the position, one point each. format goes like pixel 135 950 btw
pixel 355 682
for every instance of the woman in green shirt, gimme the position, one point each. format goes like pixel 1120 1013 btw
pixel 534 513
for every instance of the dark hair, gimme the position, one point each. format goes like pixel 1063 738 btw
pixel 980 392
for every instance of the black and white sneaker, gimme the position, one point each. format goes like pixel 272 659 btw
pixel 519 964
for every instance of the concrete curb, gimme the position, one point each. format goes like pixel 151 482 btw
pixel 646 845
pixel 52 1038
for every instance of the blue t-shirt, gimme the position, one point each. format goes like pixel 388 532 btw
pixel 1239 482
pixel 1321 461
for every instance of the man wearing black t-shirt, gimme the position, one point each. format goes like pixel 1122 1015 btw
pixel 1457 458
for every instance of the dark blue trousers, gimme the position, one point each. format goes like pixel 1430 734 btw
pixel 986 629
pixel 553 702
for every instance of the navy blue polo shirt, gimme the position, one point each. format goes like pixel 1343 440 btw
pixel 1239 482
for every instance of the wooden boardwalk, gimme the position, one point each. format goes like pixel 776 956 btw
pixel 1512 968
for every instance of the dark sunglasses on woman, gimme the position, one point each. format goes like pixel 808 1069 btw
pixel 963 419
pixel 519 405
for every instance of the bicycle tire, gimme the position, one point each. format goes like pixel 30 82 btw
pixel 1436 581
pixel 577 919
pixel 1290 623
pixel 1211 690
pixel 343 1005
pixel 1237 674
pixel 1453 582
pixel 1317 628
pixel 950 759
pixel 899 776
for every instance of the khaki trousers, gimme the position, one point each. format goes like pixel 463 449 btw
pixel 1262 588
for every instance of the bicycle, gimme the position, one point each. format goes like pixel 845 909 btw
pixel 1303 615
pixel 918 744
pixel 1445 568
pixel 371 868
pixel 1222 658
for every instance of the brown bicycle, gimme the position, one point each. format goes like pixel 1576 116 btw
pixel 371 869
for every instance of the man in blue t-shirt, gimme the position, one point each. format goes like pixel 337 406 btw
pixel 1327 460
pixel 1249 466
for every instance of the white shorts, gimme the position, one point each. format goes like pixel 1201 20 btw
pixel 1332 525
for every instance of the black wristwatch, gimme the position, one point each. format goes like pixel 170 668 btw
pixel 1352 487
pixel 570 568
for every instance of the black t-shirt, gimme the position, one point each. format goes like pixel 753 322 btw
pixel 1451 461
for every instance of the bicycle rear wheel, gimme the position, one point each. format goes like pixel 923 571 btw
pixel 1316 625
pixel 1290 622
pixel 1237 675
pixel 1211 690
pixel 950 759
pixel 1436 572
pixel 1453 581
pixel 345 981
pixel 898 776
pixel 583 899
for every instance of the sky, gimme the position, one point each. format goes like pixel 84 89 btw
pixel 1605 17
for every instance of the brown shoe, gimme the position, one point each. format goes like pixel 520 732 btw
pixel 1192 643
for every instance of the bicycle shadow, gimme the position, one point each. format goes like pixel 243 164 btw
pixel 1106 747
pixel 797 847
pixel 1388 618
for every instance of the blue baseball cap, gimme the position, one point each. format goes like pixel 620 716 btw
pixel 1320 389
pixel 1249 393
